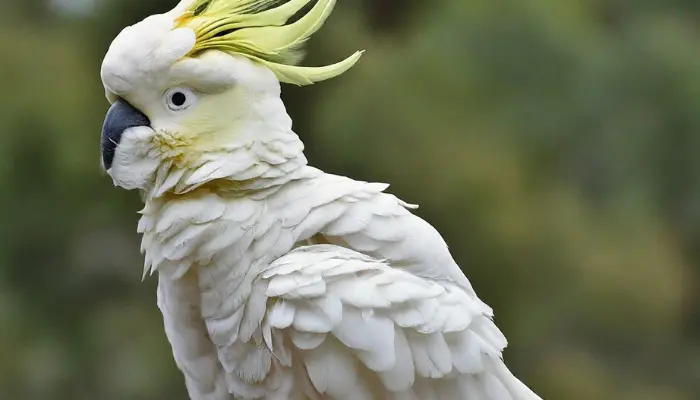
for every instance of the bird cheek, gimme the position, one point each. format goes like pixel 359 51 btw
pixel 135 162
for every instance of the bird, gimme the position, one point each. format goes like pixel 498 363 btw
pixel 277 280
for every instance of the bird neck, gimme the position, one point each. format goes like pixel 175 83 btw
pixel 257 151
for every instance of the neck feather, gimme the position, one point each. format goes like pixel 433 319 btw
pixel 265 153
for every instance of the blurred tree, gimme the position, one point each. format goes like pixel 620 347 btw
pixel 509 139
pixel 392 15
pixel 552 142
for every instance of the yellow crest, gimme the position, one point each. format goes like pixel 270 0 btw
pixel 271 32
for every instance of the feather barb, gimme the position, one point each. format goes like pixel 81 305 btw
pixel 271 32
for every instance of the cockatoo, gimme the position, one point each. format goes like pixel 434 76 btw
pixel 276 280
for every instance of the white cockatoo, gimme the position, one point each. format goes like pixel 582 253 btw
pixel 277 280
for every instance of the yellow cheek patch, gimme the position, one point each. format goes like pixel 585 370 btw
pixel 270 32
pixel 174 146
pixel 194 136
pixel 168 141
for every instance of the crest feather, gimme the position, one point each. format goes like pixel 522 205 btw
pixel 271 32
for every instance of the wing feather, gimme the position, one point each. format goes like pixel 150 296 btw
pixel 380 311
pixel 375 331
pixel 194 354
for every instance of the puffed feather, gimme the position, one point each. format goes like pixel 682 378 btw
pixel 281 314
pixel 194 354
pixel 401 375
pixel 407 361
pixel 379 297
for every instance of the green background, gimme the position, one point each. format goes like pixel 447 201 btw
pixel 554 143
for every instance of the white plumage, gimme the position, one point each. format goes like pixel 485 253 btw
pixel 323 286
pixel 276 280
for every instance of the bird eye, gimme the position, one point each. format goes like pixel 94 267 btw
pixel 179 98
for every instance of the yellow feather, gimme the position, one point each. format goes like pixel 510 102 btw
pixel 279 38
pixel 302 76
pixel 260 30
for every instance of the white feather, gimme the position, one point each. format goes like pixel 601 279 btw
pixel 386 314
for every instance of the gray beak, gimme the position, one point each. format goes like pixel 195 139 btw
pixel 120 117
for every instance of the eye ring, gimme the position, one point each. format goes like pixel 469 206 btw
pixel 178 99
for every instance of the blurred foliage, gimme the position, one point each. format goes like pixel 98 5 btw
pixel 552 142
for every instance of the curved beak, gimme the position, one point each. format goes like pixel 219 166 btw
pixel 120 117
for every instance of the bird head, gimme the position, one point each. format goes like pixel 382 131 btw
pixel 195 93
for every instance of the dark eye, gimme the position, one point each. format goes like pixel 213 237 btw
pixel 180 98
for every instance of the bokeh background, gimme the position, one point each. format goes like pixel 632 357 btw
pixel 554 143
